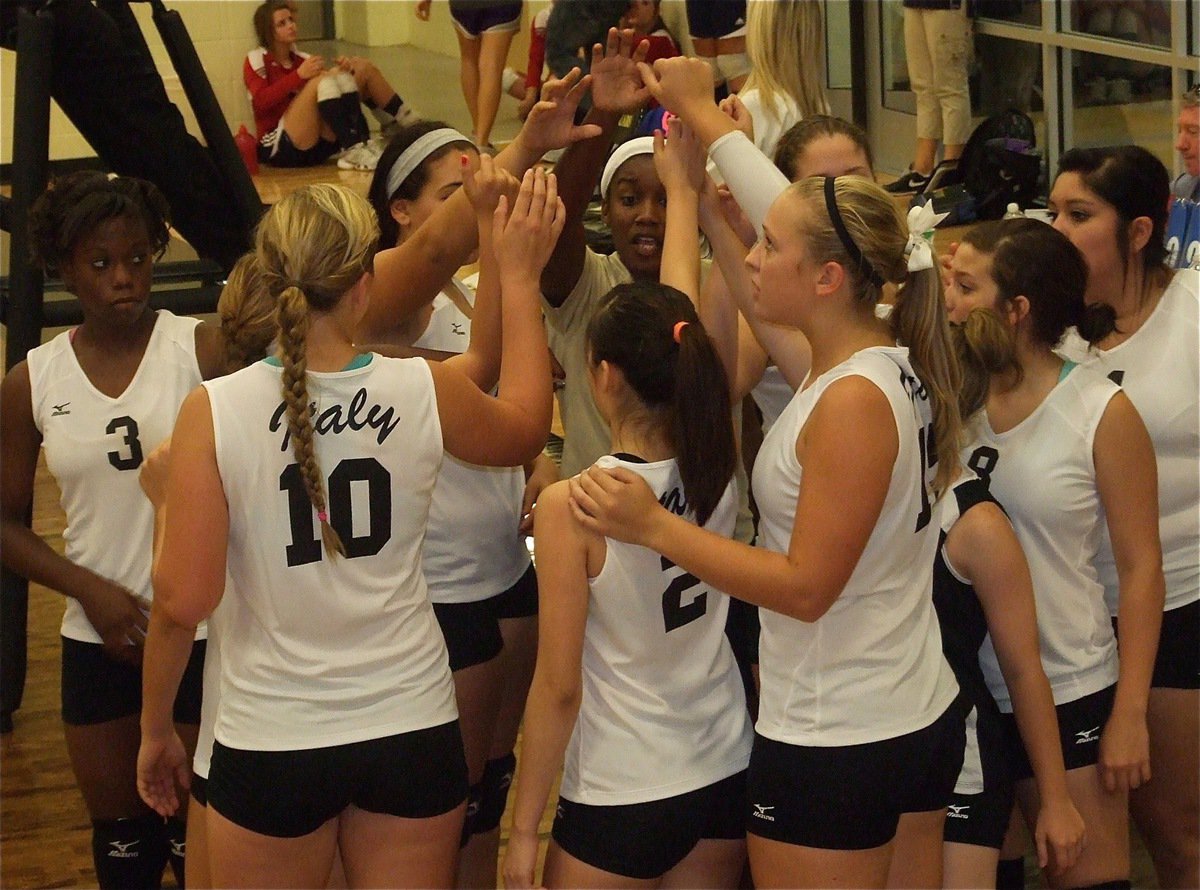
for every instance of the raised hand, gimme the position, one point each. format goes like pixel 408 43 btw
pixel 551 121
pixel 739 114
pixel 679 84
pixel 484 183
pixel 525 238
pixel 616 82
pixel 680 159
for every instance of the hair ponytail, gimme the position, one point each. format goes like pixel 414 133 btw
pixel 293 336
pixel 985 347
pixel 678 377
pixel 701 428
pixel 247 315
pixel 312 247
pixel 919 322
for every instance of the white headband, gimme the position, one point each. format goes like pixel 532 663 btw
pixel 415 154
pixel 642 145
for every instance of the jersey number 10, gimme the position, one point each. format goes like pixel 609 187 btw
pixel 306 545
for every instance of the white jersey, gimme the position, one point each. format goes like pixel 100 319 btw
pixel 472 550
pixel 94 448
pixel 1042 470
pixel 772 394
pixel 316 651
pixel 210 699
pixel 870 668
pixel 1159 369
pixel 662 711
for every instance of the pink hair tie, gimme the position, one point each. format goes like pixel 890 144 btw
pixel 677 332
pixel 323 516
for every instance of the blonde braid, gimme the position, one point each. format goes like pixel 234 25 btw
pixel 293 332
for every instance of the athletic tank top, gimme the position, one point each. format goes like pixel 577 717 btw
pixel 1159 369
pixel 1042 471
pixel 472 550
pixel 870 668
pixel 94 448
pixel 316 651
pixel 772 395
pixel 662 711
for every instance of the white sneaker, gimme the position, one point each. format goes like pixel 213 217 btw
pixel 363 156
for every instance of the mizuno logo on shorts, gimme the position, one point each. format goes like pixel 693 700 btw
pixel 121 850
pixel 1088 735
pixel 958 812
pixel 760 812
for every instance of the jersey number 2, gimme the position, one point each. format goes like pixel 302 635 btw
pixel 675 613
pixel 306 545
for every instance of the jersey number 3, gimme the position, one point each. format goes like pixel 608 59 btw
pixel 306 545
pixel 119 459
pixel 675 613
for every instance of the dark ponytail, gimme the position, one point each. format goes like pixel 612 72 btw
pixel 683 382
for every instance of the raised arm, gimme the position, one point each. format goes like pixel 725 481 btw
pixel 510 429
pixel 557 688
pixel 484 183
pixel 1127 477
pixel 115 613
pixel 616 90
pixel 409 276
pixel 679 160
pixel 787 347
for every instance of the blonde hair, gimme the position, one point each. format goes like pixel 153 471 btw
pixel 247 313
pixel 312 247
pixel 918 319
pixel 785 40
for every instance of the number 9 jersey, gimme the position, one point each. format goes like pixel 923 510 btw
pixel 95 445
pixel 319 651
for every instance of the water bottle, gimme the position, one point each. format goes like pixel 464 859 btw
pixel 247 146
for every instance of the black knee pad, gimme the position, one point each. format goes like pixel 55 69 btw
pixel 176 829
pixel 129 854
pixel 1107 885
pixel 1010 874
pixel 493 796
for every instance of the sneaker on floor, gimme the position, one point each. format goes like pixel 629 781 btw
pixel 910 183
pixel 363 156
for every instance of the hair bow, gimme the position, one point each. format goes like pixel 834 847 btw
pixel 921 219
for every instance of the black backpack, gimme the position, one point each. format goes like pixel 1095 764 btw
pixel 1000 165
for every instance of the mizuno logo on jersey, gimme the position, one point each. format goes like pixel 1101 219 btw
pixel 337 418
pixel 120 850
pixel 59 410
pixel 1088 735
pixel 958 812
pixel 761 812
pixel 457 328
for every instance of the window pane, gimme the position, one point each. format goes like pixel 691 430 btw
pixel 1013 12
pixel 897 93
pixel 1147 22
pixel 1118 102
pixel 837 45
pixel 1009 75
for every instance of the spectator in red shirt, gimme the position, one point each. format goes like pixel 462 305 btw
pixel 305 113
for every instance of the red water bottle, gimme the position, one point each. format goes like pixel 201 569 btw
pixel 248 147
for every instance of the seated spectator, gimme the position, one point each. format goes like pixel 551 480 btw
pixel 305 113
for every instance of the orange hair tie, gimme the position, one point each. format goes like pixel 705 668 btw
pixel 677 331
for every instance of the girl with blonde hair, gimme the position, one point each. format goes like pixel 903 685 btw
pixel 334 679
